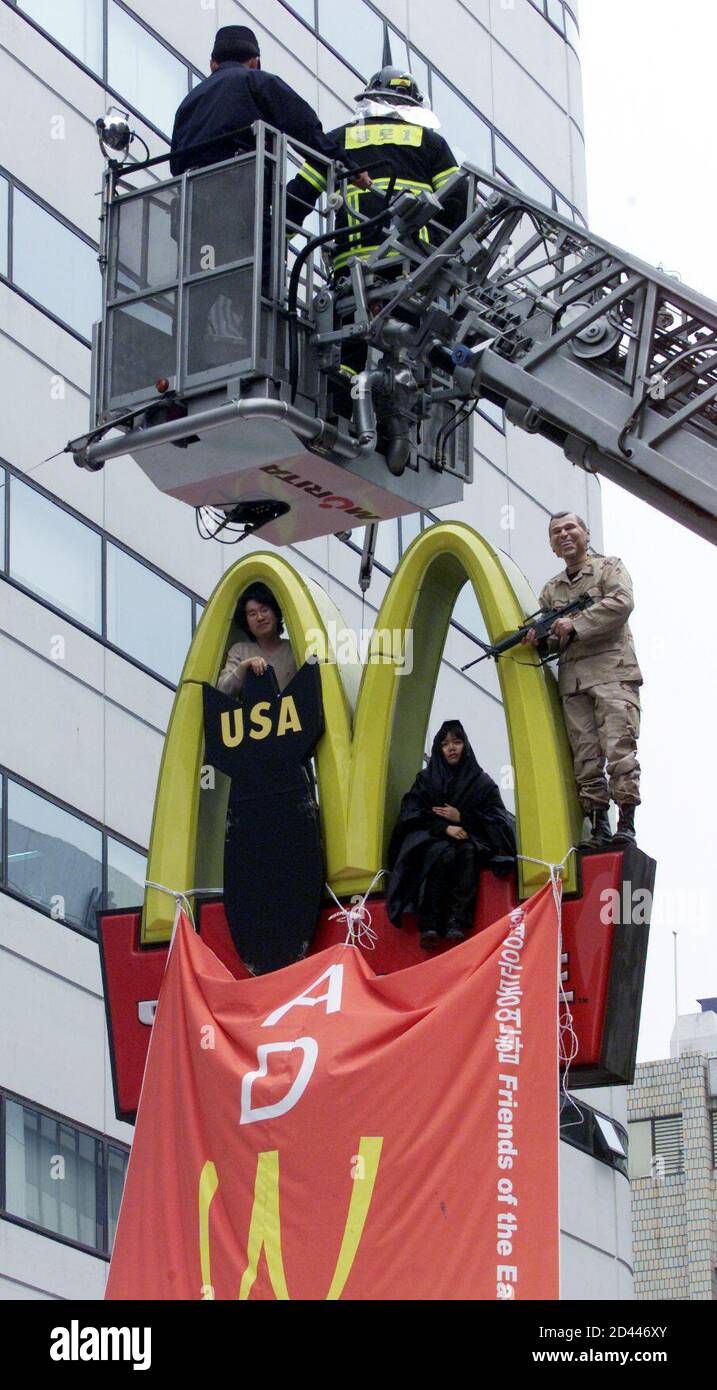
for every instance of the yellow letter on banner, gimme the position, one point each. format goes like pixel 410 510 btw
pixel 265 1225
pixel 208 1184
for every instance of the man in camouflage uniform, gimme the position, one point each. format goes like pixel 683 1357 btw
pixel 599 678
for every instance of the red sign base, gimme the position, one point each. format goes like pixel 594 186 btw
pixel 604 949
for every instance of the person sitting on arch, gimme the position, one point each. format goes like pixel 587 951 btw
pixel 451 823
pixel 259 617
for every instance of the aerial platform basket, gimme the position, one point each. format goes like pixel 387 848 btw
pixel 192 360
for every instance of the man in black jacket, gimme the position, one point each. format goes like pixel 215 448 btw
pixel 236 94
pixel 214 121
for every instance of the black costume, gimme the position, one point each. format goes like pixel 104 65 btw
pixel 434 874
pixel 273 858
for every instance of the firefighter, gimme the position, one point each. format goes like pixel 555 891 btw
pixel 599 678
pixel 391 121
pixel 396 135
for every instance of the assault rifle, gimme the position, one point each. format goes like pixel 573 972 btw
pixel 541 623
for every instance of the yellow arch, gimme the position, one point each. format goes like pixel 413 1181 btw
pixel 361 778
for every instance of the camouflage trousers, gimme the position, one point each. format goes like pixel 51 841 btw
pixel 603 725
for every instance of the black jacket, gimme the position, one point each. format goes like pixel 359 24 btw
pixel 420 159
pixel 231 99
pixel 419 839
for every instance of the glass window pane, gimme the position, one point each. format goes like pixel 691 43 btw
pixel 117 1161
pixel 146 616
pixel 420 71
pixel 53 858
pixel 145 73
pixel 304 8
pixel 387 544
pixel 221 218
pixel 512 167
pixel 51 1174
pixel 555 13
pixel 572 31
pixel 467 613
pixel 145 233
pixel 355 31
pixel 4 199
pixel 219 318
pixel 399 51
pixel 76 24
pixel 142 344
pixel 39 245
pixel 467 134
pixel 3 505
pixel 410 528
pixel 55 555
pixel 126 873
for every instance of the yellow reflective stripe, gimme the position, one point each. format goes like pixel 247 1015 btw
pixel 399 183
pixel 360 135
pixel 313 177
pixel 361 252
pixel 445 174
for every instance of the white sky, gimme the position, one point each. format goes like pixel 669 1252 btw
pixel 648 83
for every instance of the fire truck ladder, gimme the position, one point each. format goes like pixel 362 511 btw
pixel 611 359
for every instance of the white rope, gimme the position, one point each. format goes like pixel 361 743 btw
pixel 567 1037
pixel 359 931
pixel 181 902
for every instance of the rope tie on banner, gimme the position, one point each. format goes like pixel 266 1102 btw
pixel 567 1037
pixel 182 903
pixel 359 931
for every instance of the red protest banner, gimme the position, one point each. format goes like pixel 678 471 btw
pixel 324 1133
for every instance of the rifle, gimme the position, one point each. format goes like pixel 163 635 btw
pixel 541 622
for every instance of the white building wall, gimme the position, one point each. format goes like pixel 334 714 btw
pixel 88 729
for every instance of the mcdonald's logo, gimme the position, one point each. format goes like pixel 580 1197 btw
pixel 265 1224
pixel 369 755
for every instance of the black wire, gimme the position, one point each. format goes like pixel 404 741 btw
pixel 301 259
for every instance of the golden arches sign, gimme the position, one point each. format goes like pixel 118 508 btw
pixel 365 763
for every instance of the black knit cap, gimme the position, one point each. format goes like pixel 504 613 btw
pixel 235 43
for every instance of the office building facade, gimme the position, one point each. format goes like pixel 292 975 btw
pixel 103 579
pixel 672 1112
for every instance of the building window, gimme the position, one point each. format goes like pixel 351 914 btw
pixel 3 513
pixel 56 556
pixel 305 10
pixel 596 1134
pixel 76 24
pixel 143 70
pixel 354 31
pixel 57 860
pixel 146 616
pixel 59 1178
pixel 4 226
pixel 713 1118
pixel 656 1148
pixel 126 874
pixel 54 858
pixel 510 165
pixel 466 132
pixel 41 244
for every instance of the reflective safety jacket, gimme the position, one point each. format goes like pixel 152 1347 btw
pixel 420 159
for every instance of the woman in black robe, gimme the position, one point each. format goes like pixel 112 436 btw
pixel 451 823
